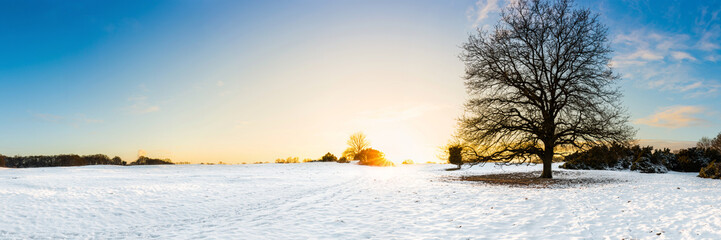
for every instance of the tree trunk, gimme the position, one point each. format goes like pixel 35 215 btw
pixel 547 163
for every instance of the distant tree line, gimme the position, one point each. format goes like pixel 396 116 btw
pixel 69 160
pixel 65 160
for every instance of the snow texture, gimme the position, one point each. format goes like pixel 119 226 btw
pixel 347 201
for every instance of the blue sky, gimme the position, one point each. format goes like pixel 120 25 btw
pixel 256 80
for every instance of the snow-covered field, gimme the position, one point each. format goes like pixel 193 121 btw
pixel 346 201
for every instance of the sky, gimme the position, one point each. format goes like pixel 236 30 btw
pixel 248 81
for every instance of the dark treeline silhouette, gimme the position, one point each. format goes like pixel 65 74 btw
pixel 328 157
pixel 64 160
pixel 143 160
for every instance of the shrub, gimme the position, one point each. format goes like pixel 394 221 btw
pixel 372 157
pixel 408 161
pixel 143 160
pixel 648 160
pixel 693 159
pixel 455 155
pixel 618 157
pixel 713 170
pixel 603 157
pixel 328 157
pixel 288 160
pixel 2 161
pixel 343 160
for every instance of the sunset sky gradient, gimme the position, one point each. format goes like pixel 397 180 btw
pixel 243 81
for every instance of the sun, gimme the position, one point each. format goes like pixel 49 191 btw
pixel 399 147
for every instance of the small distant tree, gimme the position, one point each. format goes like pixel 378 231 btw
pixel 356 143
pixel 710 143
pixel 328 157
pixel 2 160
pixel 408 161
pixel 343 160
pixel 455 155
pixel 117 161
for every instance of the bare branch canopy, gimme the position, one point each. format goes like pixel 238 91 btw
pixel 540 80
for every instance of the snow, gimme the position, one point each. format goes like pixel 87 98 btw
pixel 346 201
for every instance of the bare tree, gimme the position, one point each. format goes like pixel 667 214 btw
pixel 356 143
pixel 710 143
pixel 538 81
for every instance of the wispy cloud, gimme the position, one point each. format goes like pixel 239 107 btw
pixel 664 61
pixel 644 54
pixel 481 11
pixel 679 55
pixel 484 10
pixel 675 117
pixel 708 24
pixel 139 103
pixel 663 143
pixel 645 46
pixel 48 117
pixel 709 41
pixel 675 78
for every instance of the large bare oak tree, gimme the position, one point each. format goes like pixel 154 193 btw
pixel 540 81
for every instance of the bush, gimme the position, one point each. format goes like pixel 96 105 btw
pixel 619 157
pixel 693 159
pixel 288 160
pixel 343 160
pixel 2 161
pixel 408 161
pixel 603 157
pixel 373 157
pixel 713 170
pixel 143 160
pixel 455 155
pixel 328 157
pixel 643 159
pixel 648 160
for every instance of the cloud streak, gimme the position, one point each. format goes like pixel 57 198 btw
pixel 139 104
pixel 482 9
pixel 675 117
